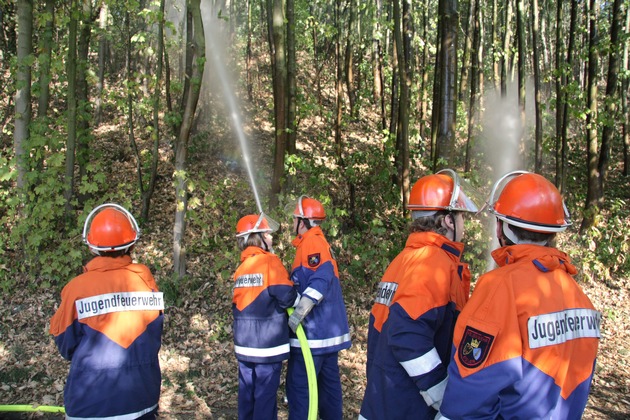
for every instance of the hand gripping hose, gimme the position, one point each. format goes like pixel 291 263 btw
pixel 25 408
pixel 310 370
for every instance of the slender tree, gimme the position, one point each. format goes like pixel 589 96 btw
pixel 196 50
pixel 102 50
pixel 538 148
pixel 625 93
pixel 447 110
pixel 377 61
pixel 402 35
pixel 338 85
pixel 71 71
pixel 349 60
pixel 44 58
pixel 593 193
pixel 475 76
pixel 522 45
pixel 507 42
pixel 611 101
pixel 564 101
pixel 23 89
pixel 155 134
pixel 291 79
pixel 279 65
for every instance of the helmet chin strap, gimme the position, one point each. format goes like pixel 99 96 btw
pixel 509 233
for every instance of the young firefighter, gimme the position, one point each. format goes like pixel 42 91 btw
pixel 525 344
pixel 417 302
pixel 322 313
pixel 262 293
pixel 109 325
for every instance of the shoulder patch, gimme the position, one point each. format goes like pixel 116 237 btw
pixel 314 260
pixel 474 347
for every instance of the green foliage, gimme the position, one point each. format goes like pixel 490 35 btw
pixel 602 251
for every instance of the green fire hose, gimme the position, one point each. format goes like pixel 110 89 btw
pixel 310 371
pixel 25 408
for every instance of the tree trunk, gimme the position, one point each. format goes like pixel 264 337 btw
pixel 593 193
pixel 424 80
pixel 102 50
pixel 71 71
pixel 507 41
pixel 196 50
pixel 611 94
pixel 403 53
pixel 522 46
pixel 564 102
pixel 447 111
pixel 475 70
pixel 537 94
pixel 377 65
pixel 291 80
pixel 560 99
pixel 248 60
pixel 625 92
pixel 338 85
pixel 496 71
pixel 44 60
pixel 468 41
pixel 349 62
pixel 83 118
pixel 23 90
pixel 130 101
pixel 155 135
pixel 279 97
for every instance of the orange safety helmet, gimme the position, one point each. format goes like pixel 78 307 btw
pixel 309 208
pixel 440 191
pixel 110 227
pixel 531 202
pixel 253 224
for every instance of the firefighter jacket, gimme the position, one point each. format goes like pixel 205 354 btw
pixel 262 293
pixel 411 325
pixel 316 277
pixel 109 325
pixel 525 344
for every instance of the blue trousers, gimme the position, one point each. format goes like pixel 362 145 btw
pixel 328 387
pixel 257 390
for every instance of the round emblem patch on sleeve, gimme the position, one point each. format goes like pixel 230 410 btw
pixel 313 260
pixel 474 347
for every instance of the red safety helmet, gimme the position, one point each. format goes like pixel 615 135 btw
pixel 309 208
pixel 440 191
pixel 110 227
pixel 531 202
pixel 254 224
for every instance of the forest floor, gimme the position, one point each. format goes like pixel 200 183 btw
pixel 200 371
pixel 197 360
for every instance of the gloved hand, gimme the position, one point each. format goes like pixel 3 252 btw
pixel 302 309
pixel 433 397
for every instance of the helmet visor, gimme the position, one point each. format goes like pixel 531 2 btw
pixel 464 196
pixel 263 224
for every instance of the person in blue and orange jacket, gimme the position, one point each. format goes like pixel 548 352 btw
pixel 109 325
pixel 526 342
pixel 417 302
pixel 321 311
pixel 262 293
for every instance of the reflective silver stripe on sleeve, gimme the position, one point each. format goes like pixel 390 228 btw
pixel 423 364
pixel 320 344
pixel 313 294
pixel 130 416
pixel 266 352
